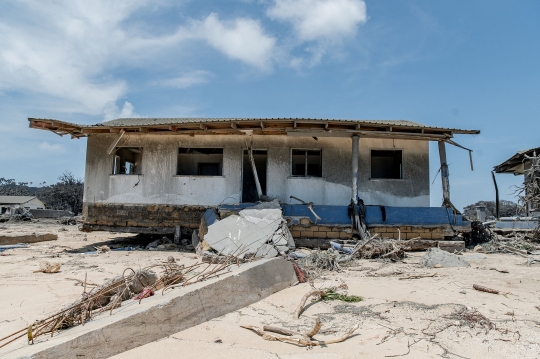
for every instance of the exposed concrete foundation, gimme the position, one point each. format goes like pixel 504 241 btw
pixel 7 239
pixel 156 317
pixel 49 213
pixel 140 218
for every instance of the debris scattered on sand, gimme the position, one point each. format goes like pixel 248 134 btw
pixel 481 288
pixel 48 267
pixel 325 294
pixel 301 339
pixel 138 285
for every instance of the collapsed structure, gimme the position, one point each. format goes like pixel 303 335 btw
pixel 151 175
pixel 525 163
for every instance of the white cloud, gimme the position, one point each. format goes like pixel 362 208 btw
pixel 320 19
pixel 54 148
pixel 112 111
pixel 241 39
pixel 70 49
pixel 62 49
pixel 187 79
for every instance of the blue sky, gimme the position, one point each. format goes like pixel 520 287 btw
pixel 464 64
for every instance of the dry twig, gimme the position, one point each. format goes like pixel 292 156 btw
pixel 485 289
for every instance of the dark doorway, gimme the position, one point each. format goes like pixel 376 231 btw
pixel 249 189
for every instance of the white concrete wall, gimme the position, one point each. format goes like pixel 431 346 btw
pixel 160 184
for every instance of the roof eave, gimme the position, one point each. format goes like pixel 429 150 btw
pixel 258 126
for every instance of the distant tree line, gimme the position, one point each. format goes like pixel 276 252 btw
pixel 506 209
pixel 66 194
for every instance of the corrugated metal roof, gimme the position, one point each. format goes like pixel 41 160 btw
pixel 80 130
pixel 148 121
pixel 515 163
pixel 15 199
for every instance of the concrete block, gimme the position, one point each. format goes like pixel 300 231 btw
pixel 411 235
pixel 319 234
pixel 49 213
pixel 6 239
pixel 345 235
pixel 295 234
pixel 159 316
pixel 324 229
pixel 308 234
pixel 305 221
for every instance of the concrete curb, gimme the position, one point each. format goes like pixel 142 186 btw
pixel 159 316
pixel 27 238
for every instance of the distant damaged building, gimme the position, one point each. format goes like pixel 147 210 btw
pixel 526 163
pixel 149 175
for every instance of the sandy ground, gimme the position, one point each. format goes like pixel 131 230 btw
pixel 27 296
pixel 415 318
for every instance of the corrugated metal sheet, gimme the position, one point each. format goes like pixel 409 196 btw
pixel 514 163
pixel 171 121
pixel 148 121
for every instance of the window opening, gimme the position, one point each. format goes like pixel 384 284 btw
pixel 200 162
pixel 306 163
pixel 387 164
pixel 127 161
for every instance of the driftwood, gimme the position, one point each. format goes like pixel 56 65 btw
pixel 419 244
pixel 452 246
pixel 485 289
pixel 303 301
pixel 418 276
pixel 316 328
pixel 300 339
pixel 321 243
pixel 517 251
pixel 282 331
pixel 499 270
pixel 306 336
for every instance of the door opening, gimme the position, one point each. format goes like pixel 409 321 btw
pixel 249 189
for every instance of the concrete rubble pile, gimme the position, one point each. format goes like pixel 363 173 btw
pixel 255 232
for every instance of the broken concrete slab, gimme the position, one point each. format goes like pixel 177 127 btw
pixel 258 232
pixel 159 316
pixel 440 258
pixel 26 238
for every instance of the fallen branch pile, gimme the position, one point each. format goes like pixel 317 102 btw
pixel 136 284
pixel 334 259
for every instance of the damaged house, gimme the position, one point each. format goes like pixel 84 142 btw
pixel 151 175
pixel 525 163
pixel 10 204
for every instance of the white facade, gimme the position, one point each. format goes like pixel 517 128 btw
pixel 158 182
pixel 8 203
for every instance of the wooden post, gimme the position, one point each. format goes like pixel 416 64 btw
pixel 115 142
pixel 444 173
pixel 355 145
pixel 497 208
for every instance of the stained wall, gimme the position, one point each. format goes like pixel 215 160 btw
pixel 159 184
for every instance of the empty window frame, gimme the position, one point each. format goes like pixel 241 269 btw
pixel 200 162
pixel 306 163
pixel 386 164
pixel 127 161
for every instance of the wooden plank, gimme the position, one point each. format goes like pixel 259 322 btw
pixel 452 246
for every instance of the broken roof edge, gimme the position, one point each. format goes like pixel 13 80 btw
pixel 515 163
pixel 239 125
